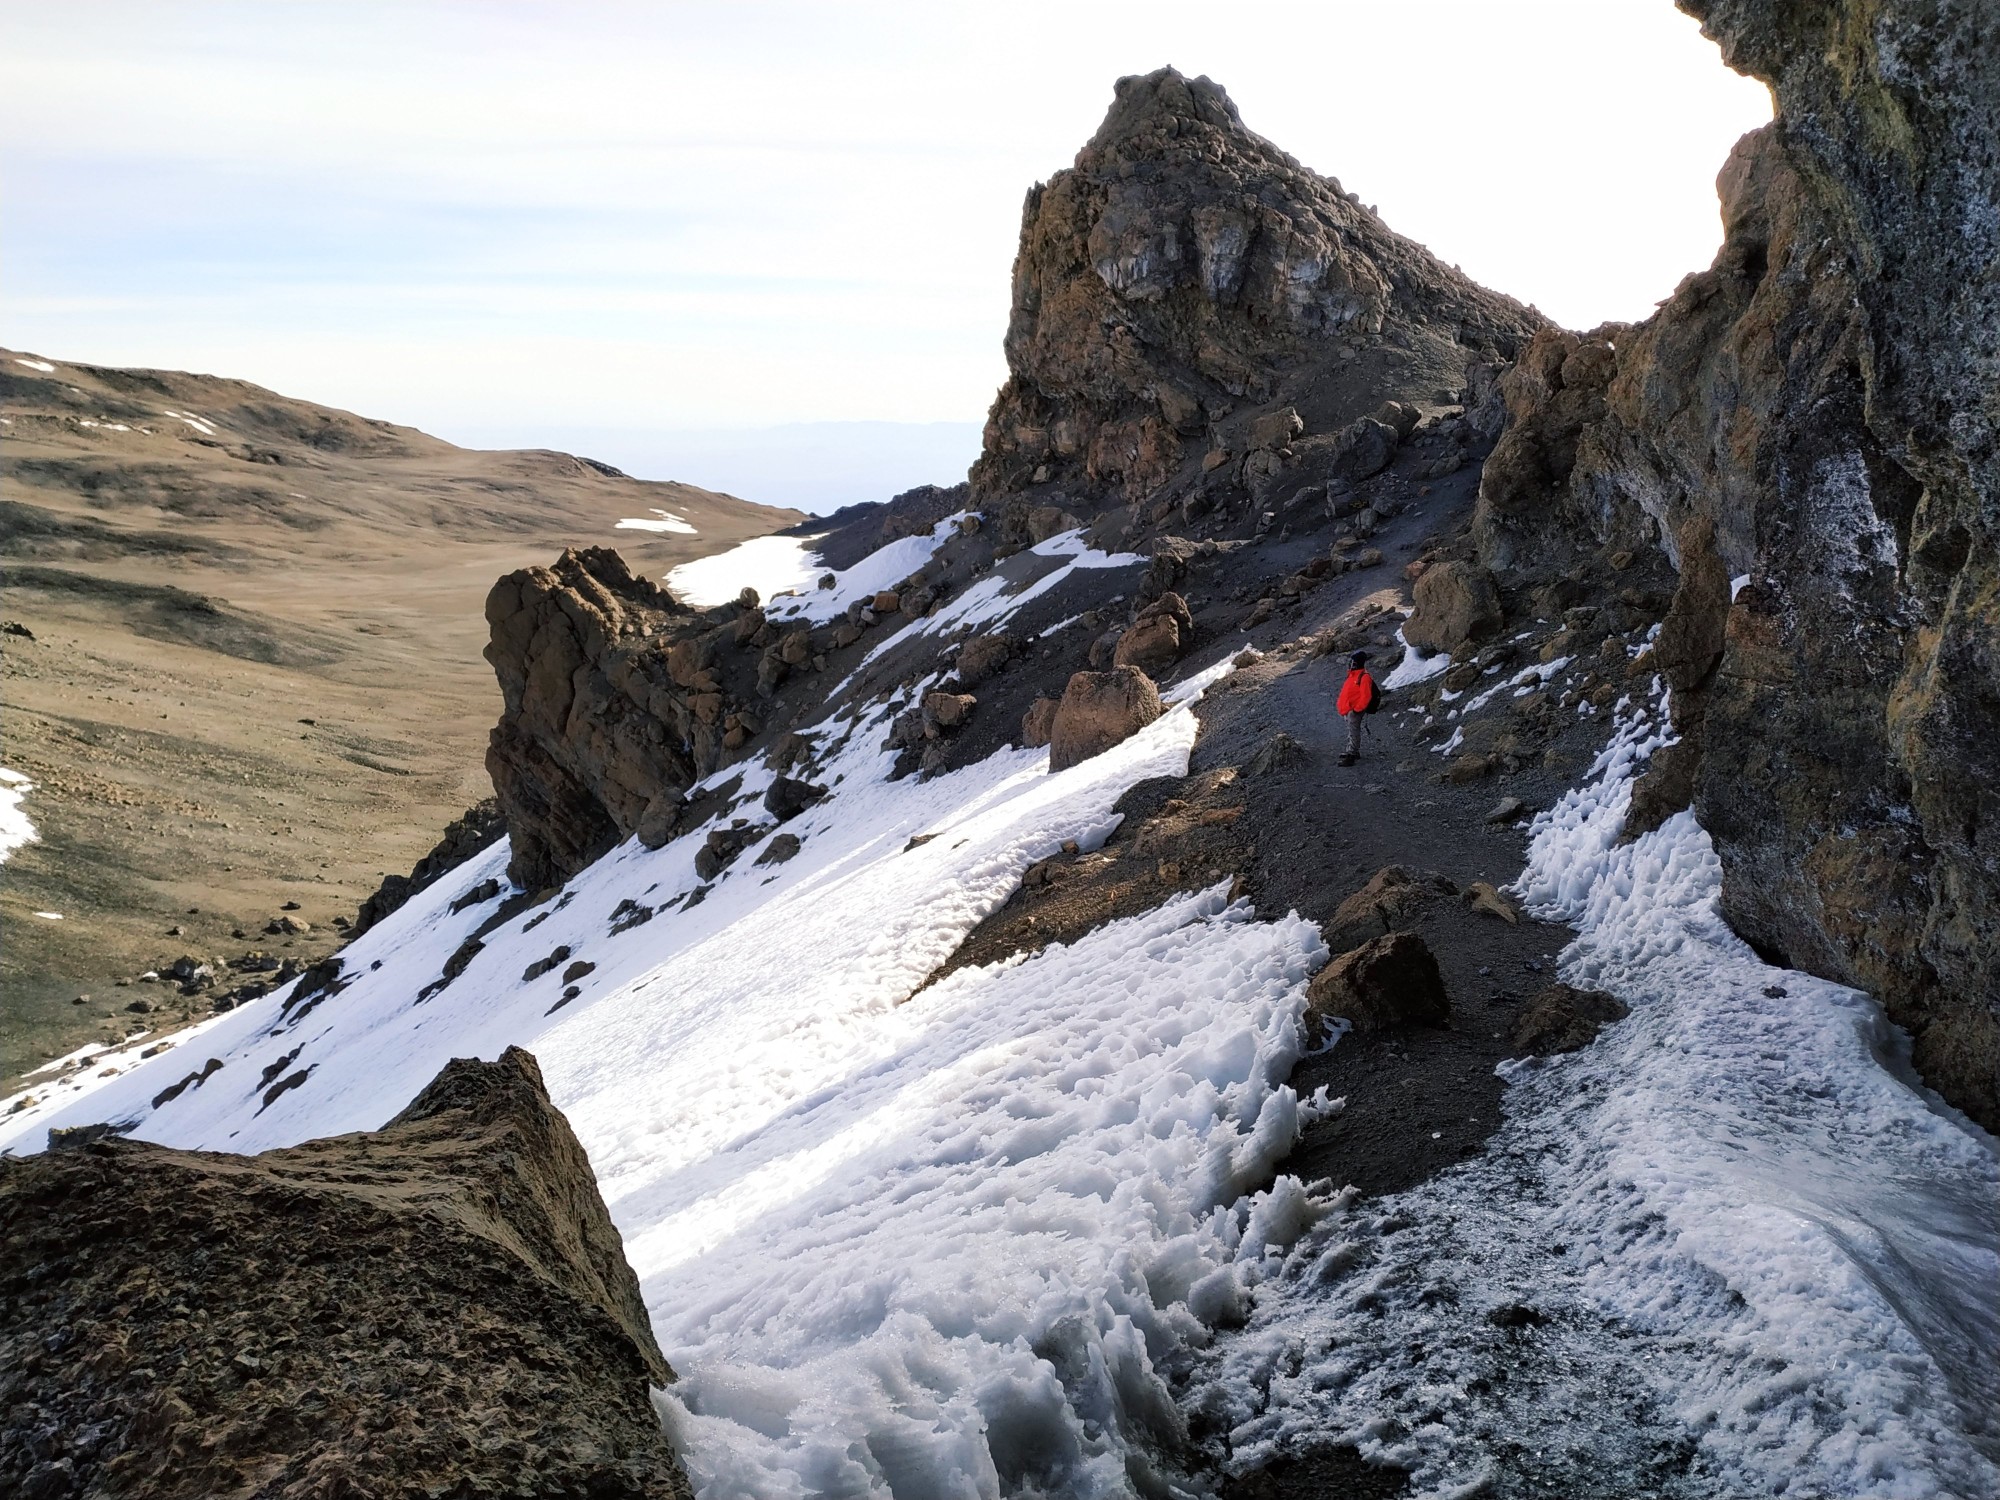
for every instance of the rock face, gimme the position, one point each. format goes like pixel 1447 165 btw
pixel 1814 414
pixel 440 1306
pixel 1185 272
pixel 1387 983
pixel 1099 710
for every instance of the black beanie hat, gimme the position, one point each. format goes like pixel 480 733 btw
pixel 1358 659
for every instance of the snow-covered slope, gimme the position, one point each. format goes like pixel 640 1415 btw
pixel 983 1237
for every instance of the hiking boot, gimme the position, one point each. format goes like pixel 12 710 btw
pixel 1348 758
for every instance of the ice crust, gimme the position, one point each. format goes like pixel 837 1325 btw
pixel 1778 1253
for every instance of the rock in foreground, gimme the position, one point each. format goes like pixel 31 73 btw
pixel 439 1307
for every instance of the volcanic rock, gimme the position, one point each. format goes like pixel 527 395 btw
pixel 787 797
pixel 1159 637
pixel 1457 605
pixel 609 708
pixel 1185 268
pixel 1099 710
pixel 1038 723
pixel 1388 983
pixel 440 1306
pixel 1563 1019
pixel 1814 411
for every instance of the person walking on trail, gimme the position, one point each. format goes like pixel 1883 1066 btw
pixel 1358 696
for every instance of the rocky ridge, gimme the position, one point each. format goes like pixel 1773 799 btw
pixel 1199 321
pixel 440 1306
pixel 1804 433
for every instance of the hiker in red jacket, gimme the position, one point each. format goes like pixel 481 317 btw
pixel 1358 696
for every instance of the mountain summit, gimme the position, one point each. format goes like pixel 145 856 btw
pixel 1184 269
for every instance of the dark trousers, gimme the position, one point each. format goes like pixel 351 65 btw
pixel 1353 733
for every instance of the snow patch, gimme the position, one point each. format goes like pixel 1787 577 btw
pixel 36 364
pixel 771 565
pixel 15 828
pixel 1415 667
pixel 660 520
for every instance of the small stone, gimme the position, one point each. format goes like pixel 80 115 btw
pixel 1506 810
pixel 1481 896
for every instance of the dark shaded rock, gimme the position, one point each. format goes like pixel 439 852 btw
pixel 1099 710
pixel 610 708
pixel 782 847
pixel 1387 983
pixel 1820 399
pixel 442 1307
pixel 720 849
pixel 982 656
pixel 787 797
pixel 1562 1019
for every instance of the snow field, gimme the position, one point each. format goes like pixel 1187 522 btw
pixel 975 1260
pixel 896 1239
pixel 1760 1258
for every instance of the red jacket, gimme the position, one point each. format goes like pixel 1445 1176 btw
pixel 1357 694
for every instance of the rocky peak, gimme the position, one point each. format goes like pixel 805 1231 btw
pixel 1184 276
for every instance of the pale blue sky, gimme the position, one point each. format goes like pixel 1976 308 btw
pixel 552 223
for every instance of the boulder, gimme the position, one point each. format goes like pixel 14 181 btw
pixel 787 797
pixel 1099 710
pixel 1158 638
pixel 441 1306
pixel 782 847
pixel 1276 429
pixel 720 849
pixel 1392 898
pixel 982 656
pixel 1038 723
pixel 1563 1019
pixel 1360 450
pixel 1457 605
pixel 1388 983
pixel 944 712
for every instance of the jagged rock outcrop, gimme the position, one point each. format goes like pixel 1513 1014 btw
pixel 616 699
pixel 1188 299
pixel 1814 415
pixel 442 1306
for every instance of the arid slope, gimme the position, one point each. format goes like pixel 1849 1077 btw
pixel 253 675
